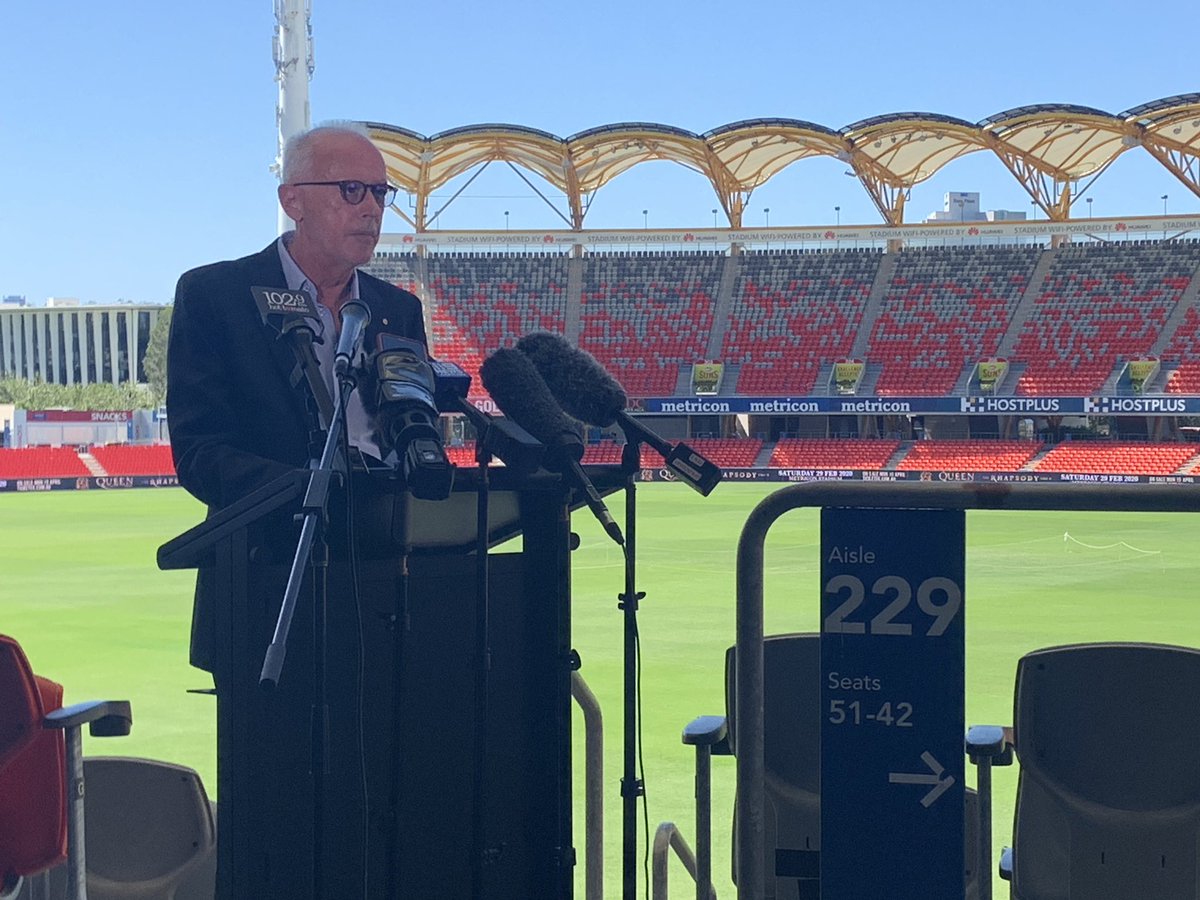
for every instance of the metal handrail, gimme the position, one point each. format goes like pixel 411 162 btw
pixel 593 791
pixel 750 553
pixel 668 837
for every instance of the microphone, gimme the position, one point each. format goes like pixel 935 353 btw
pixel 590 394
pixel 293 315
pixel 397 396
pixel 285 310
pixel 355 317
pixel 502 438
pixel 520 392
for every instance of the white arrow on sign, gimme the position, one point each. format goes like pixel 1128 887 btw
pixel 934 777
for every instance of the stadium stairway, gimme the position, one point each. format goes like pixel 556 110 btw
pixel 1032 291
pixel 723 304
pixel 1032 464
pixel 93 464
pixel 729 380
pixel 1008 384
pixel 764 455
pixel 871 373
pixel 879 287
pixel 893 461
pixel 574 292
pixel 963 383
pixel 1187 300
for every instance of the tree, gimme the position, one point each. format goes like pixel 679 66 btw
pixel 39 395
pixel 155 361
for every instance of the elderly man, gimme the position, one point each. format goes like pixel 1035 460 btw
pixel 240 417
pixel 236 421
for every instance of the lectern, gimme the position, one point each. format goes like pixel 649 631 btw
pixel 398 791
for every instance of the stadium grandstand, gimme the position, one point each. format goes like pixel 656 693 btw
pixel 991 345
pixel 1012 358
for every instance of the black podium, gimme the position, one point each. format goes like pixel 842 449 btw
pixel 398 793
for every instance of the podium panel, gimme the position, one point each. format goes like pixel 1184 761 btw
pixel 399 782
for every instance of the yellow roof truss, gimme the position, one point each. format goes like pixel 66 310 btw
pixel 1049 148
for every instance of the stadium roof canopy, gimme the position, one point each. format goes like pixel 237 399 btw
pixel 1170 131
pixel 1049 148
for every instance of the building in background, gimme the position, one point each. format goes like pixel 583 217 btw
pixel 65 342
pixel 963 206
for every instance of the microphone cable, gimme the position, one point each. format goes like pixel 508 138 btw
pixel 641 744
pixel 360 673
pixel 353 575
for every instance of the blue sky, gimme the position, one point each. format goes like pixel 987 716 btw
pixel 135 137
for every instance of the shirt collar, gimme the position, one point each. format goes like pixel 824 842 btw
pixel 296 279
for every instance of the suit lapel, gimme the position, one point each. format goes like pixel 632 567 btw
pixel 265 270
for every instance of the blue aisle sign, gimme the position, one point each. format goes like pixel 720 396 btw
pixel 892 691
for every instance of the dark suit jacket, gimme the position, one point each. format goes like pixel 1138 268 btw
pixel 236 422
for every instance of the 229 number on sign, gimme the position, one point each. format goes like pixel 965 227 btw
pixel 938 597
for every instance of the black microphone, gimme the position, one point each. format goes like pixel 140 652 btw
pixel 590 394
pixel 520 392
pixel 293 316
pixel 499 437
pixel 397 396
pixel 284 310
pixel 355 317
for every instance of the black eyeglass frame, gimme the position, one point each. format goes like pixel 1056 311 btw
pixel 384 194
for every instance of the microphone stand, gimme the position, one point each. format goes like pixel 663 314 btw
pixel 631 786
pixel 313 547
pixel 480 854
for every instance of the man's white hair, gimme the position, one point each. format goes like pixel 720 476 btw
pixel 298 150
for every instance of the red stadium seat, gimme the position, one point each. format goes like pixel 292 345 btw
pixel 481 303
pixel 833 453
pixel 33 805
pixel 646 319
pixel 943 310
pixel 41 462
pixel 135 459
pixel 41 770
pixel 1098 307
pixel 1118 458
pixel 969 456
pixel 791 315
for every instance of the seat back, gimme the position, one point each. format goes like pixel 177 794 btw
pixel 200 883
pixel 791 755
pixel 149 828
pixel 792 766
pixel 20 702
pixel 33 805
pixel 1108 799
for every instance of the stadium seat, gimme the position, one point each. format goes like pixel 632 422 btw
pixel 41 462
pixel 135 459
pixel 1099 306
pixel 969 455
pixel 482 302
pixel 943 309
pixel 833 453
pixel 150 830
pixel 1108 797
pixel 792 767
pixel 646 319
pixel 1118 458
pixel 791 315
pixel 41 773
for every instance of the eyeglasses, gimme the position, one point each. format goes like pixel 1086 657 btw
pixel 353 192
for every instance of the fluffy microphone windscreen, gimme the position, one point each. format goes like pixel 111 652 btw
pixel 510 377
pixel 575 378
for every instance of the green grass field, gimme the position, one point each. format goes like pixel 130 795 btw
pixel 79 588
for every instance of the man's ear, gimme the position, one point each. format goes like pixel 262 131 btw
pixel 289 199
